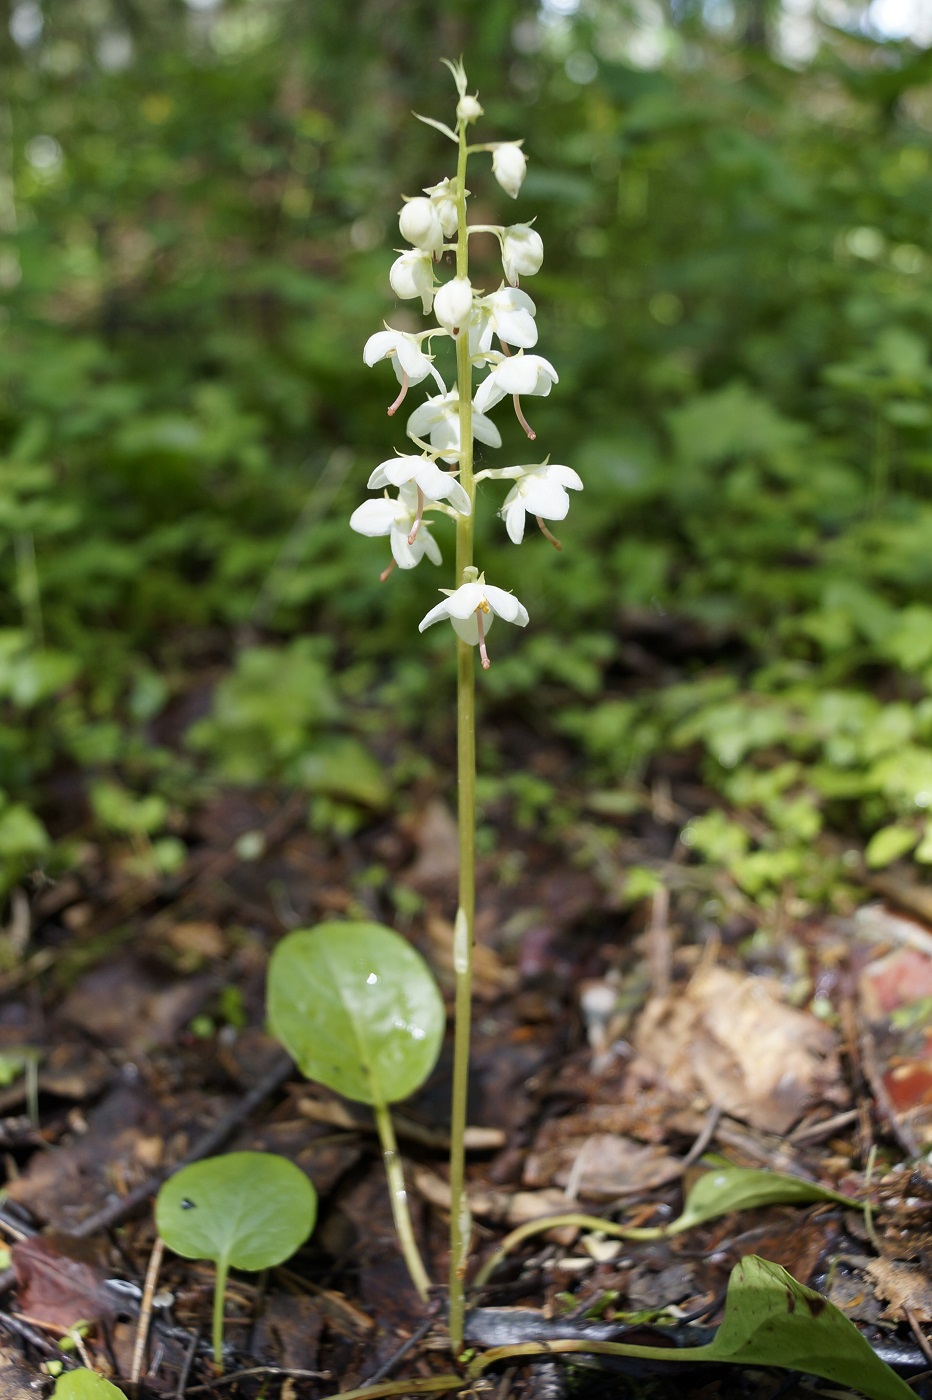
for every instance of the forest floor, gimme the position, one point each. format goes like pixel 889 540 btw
pixel 613 1052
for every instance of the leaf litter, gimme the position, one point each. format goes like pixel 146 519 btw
pixel 598 1088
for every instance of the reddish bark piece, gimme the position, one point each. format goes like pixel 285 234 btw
pixel 59 1281
pixel 896 980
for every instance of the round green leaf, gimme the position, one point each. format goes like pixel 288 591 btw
pixel 85 1385
pixel 250 1210
pixel 357 1009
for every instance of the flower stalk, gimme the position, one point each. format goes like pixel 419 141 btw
pixel 442 482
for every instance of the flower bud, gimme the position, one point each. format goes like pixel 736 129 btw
pixel 509 166
pixel 443 198
pixel 453 304
pixel 411 275
pixel 420 224
pixel 468 109
pixel 522 252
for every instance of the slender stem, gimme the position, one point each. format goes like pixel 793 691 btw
pixel 220 1295
pixel 399 1199
pixel 460 1223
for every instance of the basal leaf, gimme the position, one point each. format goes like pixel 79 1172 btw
pixel 248 1210
pixel 727 1188
pixel 83 1384
pixel 357 1008
pixel 773 1320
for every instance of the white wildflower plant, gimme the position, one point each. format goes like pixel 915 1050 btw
pixel 487 334
pixel 492 334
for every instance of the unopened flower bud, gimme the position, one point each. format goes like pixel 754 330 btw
pixel 468 109
pixel 522 252
pixel 411 275
pixel 420 224
pixel 509 166
pixel 453 304
pixel 443 198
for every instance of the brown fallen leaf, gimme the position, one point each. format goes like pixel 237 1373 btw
pixel 904 1286
pixel 597 1166
pixel 732 1038
pixel 59 1281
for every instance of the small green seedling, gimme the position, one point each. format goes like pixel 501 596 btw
pixel 724 1189
pixel 357 1009
pixel 85 1385
pixel 245 1210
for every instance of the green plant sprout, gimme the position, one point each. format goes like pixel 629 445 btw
pixel 493 332
pixel 244 1210
pixel 724 1189
pixel 357 1009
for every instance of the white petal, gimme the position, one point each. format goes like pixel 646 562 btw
pixel 379 346
pixel 374 517
pixel 404 554
pixel 398 470
pixel 513 514
pixel 485 430
pixel 436 614
pixel 525 374
pixel 566 477
pixel 488 394
pixel 506 605
pixel 546 498
pixel 458 498
pixel 465 599
pixel 434 482
pixel 516 328
pixel 411 358
pixel 468 628
pixel 431 547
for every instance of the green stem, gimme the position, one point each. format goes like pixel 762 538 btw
pixel 460 1222
pixel 399 1199
pixel 220 1295
pixel 419 1385
pixel 570 1219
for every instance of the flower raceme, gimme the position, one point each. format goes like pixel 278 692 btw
pixel 494 331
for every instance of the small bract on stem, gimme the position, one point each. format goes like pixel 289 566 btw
pixel 493 333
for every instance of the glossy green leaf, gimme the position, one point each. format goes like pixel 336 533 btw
pixel 248 1210
pixel 357 1008
pixel 85 1385
pixel 727 1188
pixel 773 1320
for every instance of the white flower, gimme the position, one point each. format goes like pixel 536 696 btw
pixel 516 374
pixel 539 489
pixel 468 109
pixel 453 304
pixel 420 224
pixel 522 252
pixel 509 166
pixel 399 519
pixel 412 275
pixel 507 313
pixel 439 419
pixel 443 197
pixel 410 362
pixel 471 609
pixel 436 484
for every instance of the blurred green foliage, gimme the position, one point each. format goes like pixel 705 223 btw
pixel 197 210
